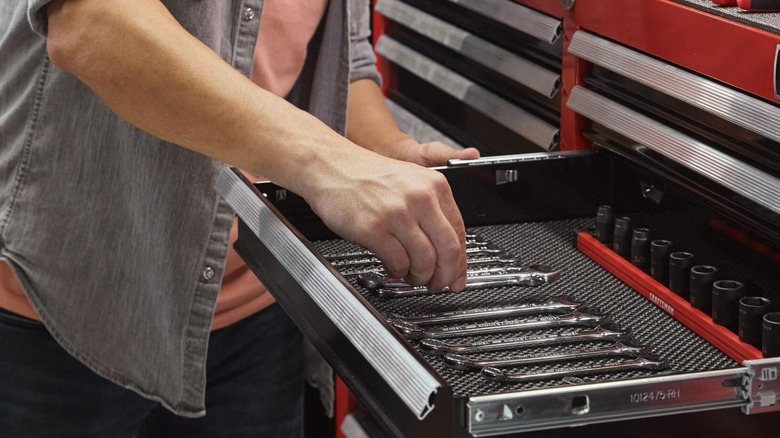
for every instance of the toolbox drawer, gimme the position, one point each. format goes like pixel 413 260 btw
pixel 412 391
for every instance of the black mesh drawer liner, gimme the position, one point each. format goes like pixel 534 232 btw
pixel 552 243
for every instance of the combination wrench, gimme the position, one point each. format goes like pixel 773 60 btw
pixel 561 304
pixel 576 318
pixel 374 280
pixel 533 275
pixel 606 332
pixel 471 262
pixel 472 247
pixel 463 363
pixel 640 363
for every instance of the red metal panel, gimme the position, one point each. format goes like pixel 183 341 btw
pixel 722 49
pixel 345 403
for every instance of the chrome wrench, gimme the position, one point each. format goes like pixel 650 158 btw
pixel 576 318
pixel 640 363
pixel 561 304
pixel 371 260
pixel 374 280
pixel 471 262
pixel 599 333
pixel 464 363
pixel 534 275
pixel 472 247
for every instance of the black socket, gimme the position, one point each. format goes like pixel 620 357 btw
pixel 770 338
pixel 621 236
pixel 659 260
pixel 680 264
pixel 702 277
pixel 725 303
pixel 640 248
pixel 605 224
pixel 751 314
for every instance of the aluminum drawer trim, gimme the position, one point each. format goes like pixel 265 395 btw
pixel 733 106
pixel 414 384
pixel 512 117
pixel 527 73
pixel 518 17
pixel 735 175
pixel 416 127
pixel 607 401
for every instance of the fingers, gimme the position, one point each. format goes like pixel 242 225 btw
pixel 394 257
pixel 450 247
pixel 437 154
pixel 435 239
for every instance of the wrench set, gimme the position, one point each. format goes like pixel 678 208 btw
pixel 575 337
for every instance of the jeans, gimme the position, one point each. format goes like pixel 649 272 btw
pixel 255 386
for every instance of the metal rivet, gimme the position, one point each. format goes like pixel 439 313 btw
pixel 479 415
pixel 208 273
pixel 249 14
pixel 567 4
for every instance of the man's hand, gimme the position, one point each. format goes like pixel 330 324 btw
pixel 403 212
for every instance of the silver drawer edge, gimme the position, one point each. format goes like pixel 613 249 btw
pixel 406 376
pixel 723 169
pixel 533 76
pixel 733 106
pixel 416 127
pixel 523 411
pixel 517 17
pixel 516 119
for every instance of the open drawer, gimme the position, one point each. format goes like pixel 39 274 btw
pixel 531 207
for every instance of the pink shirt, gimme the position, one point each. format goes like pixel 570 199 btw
pixel 286 27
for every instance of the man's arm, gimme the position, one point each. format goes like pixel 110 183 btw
pixel 157 76
pixel 371 125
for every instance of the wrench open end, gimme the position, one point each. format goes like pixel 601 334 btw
pixel 543 274
pixel 458 362
pixel 651 362
pixel 495 374
pixel 435 347
pixel 411 331
pixel 614 331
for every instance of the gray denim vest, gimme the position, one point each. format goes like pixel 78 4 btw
pixel 116 236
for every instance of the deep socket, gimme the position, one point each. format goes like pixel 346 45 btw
pixel 640 248
pixel 680 264
pixel 605 224
pixel 725 303
pixel 659 260
pixel 702 277
pixel 770 338
pixel 751 314
pixel 621 236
